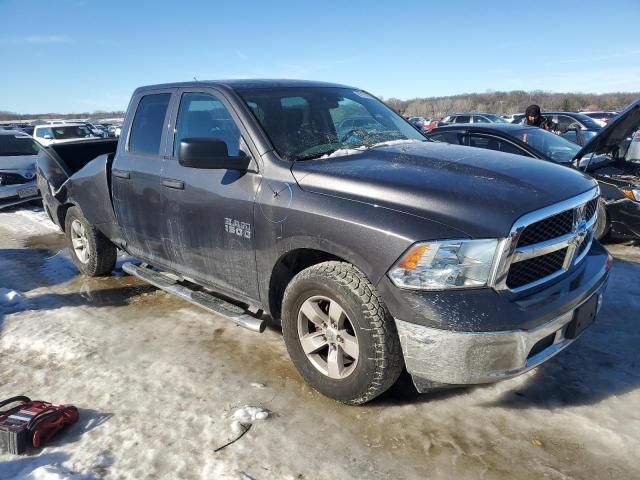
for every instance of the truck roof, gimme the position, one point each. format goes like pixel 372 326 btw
pixel 244 83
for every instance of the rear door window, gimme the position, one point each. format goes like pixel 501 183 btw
pixel 493 143
pixel 453 137
pixel 565 122
pixel 148 123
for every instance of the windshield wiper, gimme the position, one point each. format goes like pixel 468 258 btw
pixel 311 156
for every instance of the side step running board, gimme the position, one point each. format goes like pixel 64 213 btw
pixel 209 302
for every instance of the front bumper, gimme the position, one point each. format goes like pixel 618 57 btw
pixel 16 194
pixel 449 356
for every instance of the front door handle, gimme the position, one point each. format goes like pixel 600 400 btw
pixel 121 174
pixel 175 184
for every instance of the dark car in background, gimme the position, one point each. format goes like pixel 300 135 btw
pixel 618 178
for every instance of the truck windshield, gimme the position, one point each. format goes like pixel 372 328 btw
pixel 12 145
pixel 305 123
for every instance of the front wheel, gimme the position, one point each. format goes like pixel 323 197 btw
pixel 91 251
pixel 339 334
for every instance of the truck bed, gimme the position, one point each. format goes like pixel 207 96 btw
pixel 75 155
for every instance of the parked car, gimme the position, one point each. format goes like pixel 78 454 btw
pixel 618 178
pixel 50 134
pixel 375 250
pixel 420 123
pixel 434 122
pixel 18 154
pixel 96 130
pixel 569 120
pixel 633 151
pixel 601 117
pixel 510 118
pixel 517 118
pixel 473 117
pixel 28 129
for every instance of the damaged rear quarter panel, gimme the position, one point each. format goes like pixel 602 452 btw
pixel 90 188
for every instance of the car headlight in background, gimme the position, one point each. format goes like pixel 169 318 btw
pixel 633 194
pixel 445 264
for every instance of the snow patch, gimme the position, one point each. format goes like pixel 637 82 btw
pixel 10 297
pixel 247 414
pixel 53 472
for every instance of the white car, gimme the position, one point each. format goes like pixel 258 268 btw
pixel 52 134
pixel 18 153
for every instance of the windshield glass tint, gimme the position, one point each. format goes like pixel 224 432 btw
pixel 549 144
pixel 314 121
pixel 11 145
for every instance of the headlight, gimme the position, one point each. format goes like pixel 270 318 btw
pixel 632 194
pixel 445 264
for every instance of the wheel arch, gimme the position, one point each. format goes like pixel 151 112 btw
pixel 288 265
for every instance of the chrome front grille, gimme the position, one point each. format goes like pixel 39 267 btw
pixel 546 243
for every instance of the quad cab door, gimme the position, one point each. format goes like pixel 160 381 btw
pixel 209 211
pixel 137 177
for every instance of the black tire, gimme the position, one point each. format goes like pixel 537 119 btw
pixel 380 361
pixel 101 252
pixel 602 227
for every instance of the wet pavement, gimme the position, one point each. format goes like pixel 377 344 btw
pixel 129 355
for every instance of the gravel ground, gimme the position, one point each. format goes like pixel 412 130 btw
pixel 161 385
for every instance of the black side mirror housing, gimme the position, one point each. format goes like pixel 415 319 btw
pixel 209 153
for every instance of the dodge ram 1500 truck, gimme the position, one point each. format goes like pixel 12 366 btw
pixel 375 249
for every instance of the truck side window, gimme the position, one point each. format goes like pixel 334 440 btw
pixel 146 130
pixel 202 115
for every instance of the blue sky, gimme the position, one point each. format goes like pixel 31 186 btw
pixel 84 55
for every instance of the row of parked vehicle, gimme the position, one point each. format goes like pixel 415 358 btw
pixel 49 132
pixel 19 147
pixel 618 173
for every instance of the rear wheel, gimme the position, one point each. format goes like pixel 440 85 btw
pixel 91 251
pixel 339 334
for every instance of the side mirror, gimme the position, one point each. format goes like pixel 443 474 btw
pixel 47 137
pixel 209 153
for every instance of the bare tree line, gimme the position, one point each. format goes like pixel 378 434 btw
pixel 504 103
pixel 11 116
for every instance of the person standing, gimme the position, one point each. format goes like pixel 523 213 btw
pixel 534 118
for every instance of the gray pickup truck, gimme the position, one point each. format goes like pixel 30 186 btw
pixel 376 250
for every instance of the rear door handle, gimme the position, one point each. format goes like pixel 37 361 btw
pixel 175 184
pixel 121 174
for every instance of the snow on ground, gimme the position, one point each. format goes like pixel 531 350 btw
pixel 161 385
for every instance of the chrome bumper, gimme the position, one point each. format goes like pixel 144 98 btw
pixel 437 358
